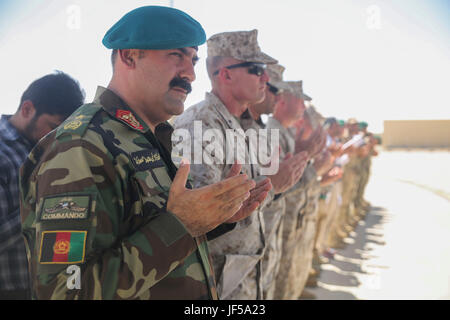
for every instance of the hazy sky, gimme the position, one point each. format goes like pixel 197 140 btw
pixel 373 60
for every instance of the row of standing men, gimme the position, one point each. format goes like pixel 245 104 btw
pixel 102 190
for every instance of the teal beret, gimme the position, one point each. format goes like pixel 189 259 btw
pixel 154 28
pixel 363 125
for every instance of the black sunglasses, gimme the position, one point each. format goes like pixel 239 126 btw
pixel 253 68
pixel 273 89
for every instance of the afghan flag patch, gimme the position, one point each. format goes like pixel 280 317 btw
pixel 62 247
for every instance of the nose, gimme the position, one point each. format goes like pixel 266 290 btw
pixel 187 72
pixel 265 77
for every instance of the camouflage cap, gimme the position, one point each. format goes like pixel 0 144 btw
pixel 314 116
pixel 306 97
pixel 293 87
pixel 275 73
pixel 241 45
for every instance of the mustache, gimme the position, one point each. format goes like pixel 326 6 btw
pixel 181 83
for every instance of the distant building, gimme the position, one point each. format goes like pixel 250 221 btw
pixel 416 133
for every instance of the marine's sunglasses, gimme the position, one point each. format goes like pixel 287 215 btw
pixel 273 89
pixel 253 68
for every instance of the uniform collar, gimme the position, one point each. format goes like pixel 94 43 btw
pixel 260 122
pixel 231 120
pixel 275 124
pixel 117 108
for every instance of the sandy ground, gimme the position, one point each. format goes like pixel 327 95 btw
pixel 402 249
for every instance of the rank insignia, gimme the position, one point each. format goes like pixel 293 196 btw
pixel 62 247
pixel 129 118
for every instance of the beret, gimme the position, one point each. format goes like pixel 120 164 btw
pixel 154 28
pixel 363 124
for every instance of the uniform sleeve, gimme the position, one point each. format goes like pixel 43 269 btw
pixel 88 212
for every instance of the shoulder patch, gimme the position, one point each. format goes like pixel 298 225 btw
pixel 62 247
pixel 78 121
pixel 66 208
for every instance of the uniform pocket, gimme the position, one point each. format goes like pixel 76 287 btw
pixel 235 269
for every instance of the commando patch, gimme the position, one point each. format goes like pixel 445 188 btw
pixel 62 247
pixel 66 208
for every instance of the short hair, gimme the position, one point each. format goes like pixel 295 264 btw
pixel 113 57
pixel 212 63
pixel 54 94
pixel 330 121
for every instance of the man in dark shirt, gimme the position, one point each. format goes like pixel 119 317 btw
pixel 43 106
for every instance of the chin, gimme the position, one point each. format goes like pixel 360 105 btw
pixel 175 108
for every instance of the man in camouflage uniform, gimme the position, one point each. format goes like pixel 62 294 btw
pixel 310 129
pixel 347 218
pixel 235 65
pixel 286 114
pixel 335 233
pixel 274 210
pixel 327 203
pixel 101 191
pixel 365 162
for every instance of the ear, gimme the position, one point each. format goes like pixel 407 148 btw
pixel 224 74
pixel 27 110
pixel 128 57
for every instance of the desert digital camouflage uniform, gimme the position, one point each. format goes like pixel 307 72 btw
pixel 326 217
pixel 358 169
pixel 94 194
pixel 295 198
pixel 355 172
pixel 364 174
pixel 237 254
pixel 349 178
pixel 273 223
pixel 323 216
pixel 308 214
pixel 332 230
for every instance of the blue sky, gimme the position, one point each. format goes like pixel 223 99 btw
pixel 374 60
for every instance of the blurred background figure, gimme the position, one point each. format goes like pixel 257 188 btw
pixel 43 106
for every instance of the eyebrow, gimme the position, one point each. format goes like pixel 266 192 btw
pixel 186 53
